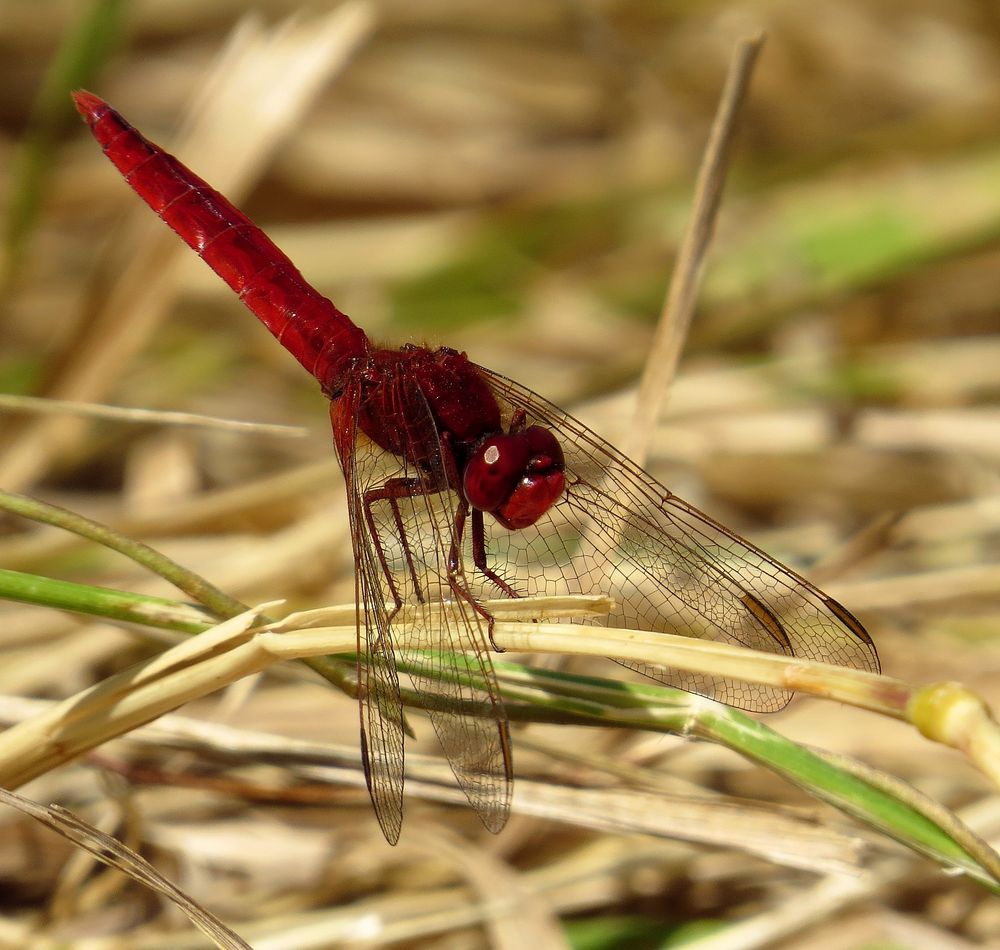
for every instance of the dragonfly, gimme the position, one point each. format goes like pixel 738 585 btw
pixel 462 486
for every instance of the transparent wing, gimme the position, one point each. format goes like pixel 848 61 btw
pixel 670 567
pixel 407 550
pixel 380 706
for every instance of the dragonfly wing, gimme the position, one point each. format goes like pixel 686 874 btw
pixel 670 567
pixel 379 701
pixel 412 551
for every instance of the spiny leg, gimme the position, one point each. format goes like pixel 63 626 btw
pixel 392 490
pixel 456 574
pixel 479 555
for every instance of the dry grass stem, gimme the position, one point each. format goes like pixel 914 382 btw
pixel 41 406
pixel 790 840
pixel 236 648
pixel 678 308
pixel 114 854
pixel 679 305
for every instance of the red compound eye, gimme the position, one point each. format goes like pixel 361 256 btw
pixel 516 477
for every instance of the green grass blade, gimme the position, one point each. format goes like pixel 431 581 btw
pixel 84 50
pixel 120 605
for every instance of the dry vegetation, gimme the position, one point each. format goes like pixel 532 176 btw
pixel 512 179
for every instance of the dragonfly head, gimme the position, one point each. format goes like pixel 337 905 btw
pixel 516 476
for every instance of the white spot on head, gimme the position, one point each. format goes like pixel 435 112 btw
pixel 491 455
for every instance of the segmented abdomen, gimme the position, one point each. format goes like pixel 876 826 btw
pixel 308 325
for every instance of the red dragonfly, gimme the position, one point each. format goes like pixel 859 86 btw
pixel 463 485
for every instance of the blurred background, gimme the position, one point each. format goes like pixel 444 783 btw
pixel 511 180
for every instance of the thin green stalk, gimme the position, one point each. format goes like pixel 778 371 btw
pixel 218 602
pixel 123 606
pixel 880 801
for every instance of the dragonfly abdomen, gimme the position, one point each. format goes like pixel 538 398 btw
pixel 309 326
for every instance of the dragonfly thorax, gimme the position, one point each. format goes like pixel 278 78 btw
pixel 435 409
pixel 414 401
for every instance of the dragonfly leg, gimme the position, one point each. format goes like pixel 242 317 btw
pixel 479 559
pixel 392 490
pixel 456 572
pixel 479 556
